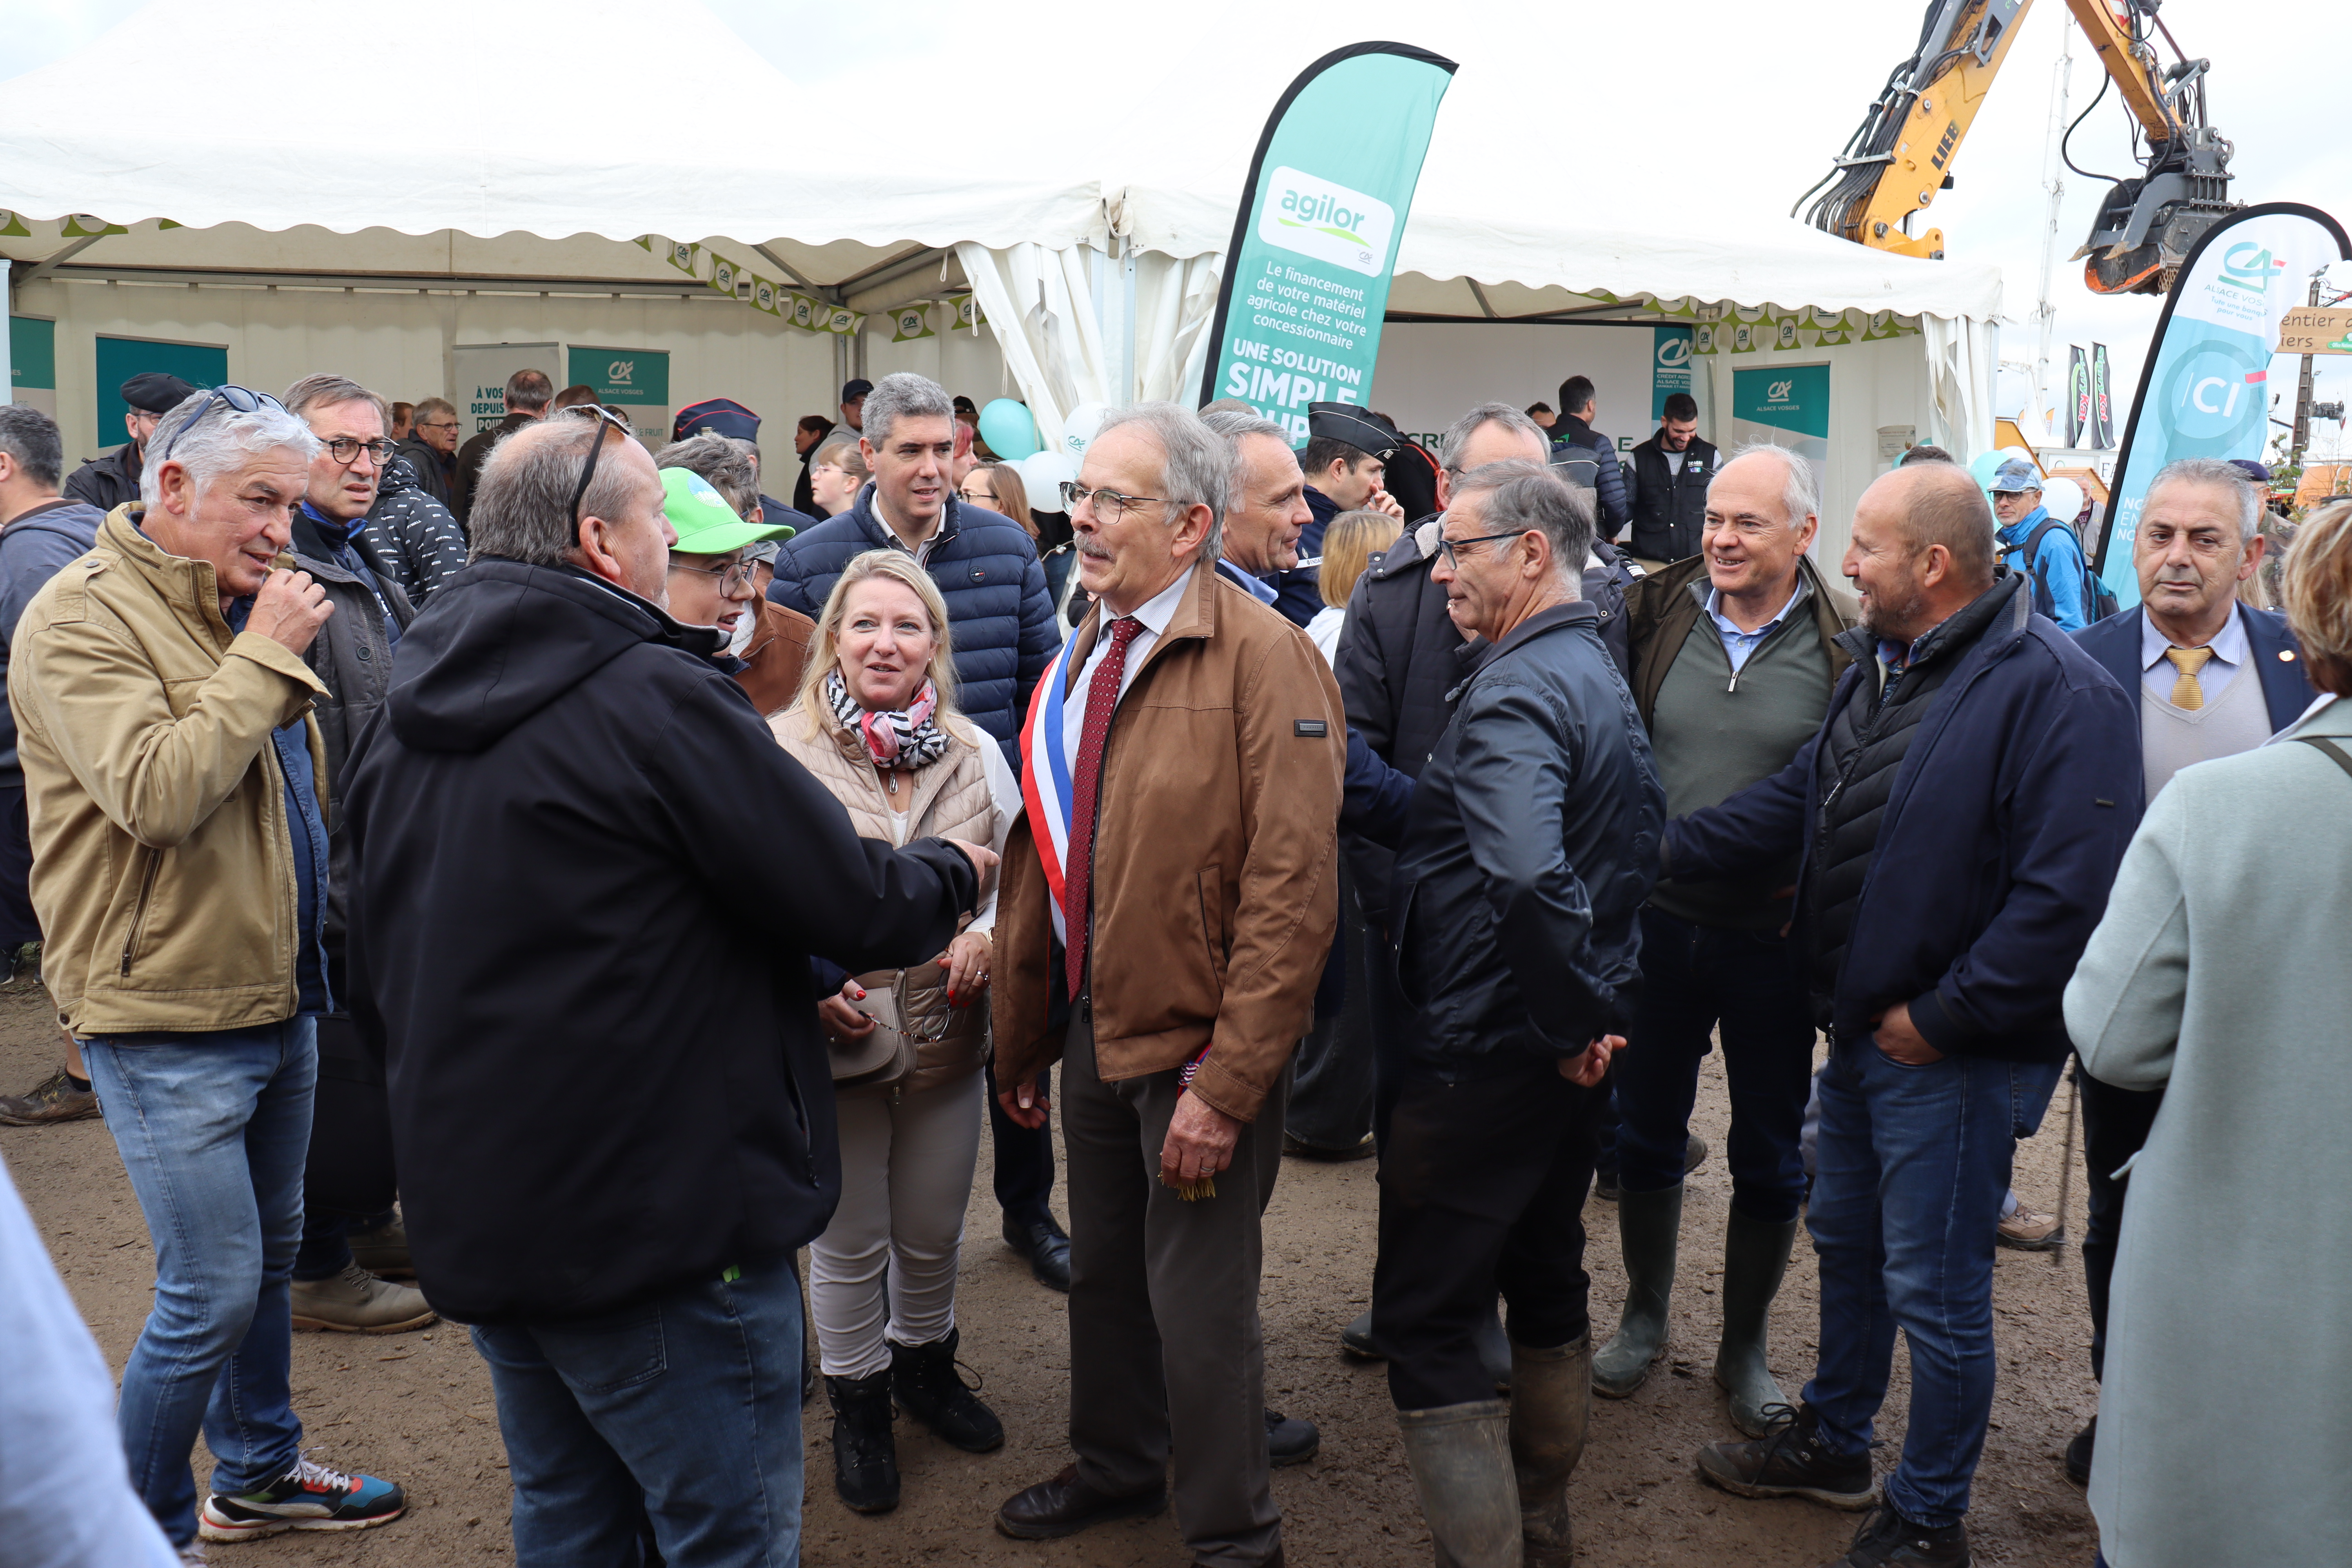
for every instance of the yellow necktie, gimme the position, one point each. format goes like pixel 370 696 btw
pixel 2187 691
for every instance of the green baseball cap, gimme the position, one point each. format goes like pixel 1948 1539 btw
pixel 706 524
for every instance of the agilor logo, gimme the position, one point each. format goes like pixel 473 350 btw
pixel 1326 221
pixel 622 372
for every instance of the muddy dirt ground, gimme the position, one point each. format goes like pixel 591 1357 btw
pixel 417 1407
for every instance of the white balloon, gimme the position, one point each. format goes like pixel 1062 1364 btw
pixel 2017 452
pixel 1080 427
pixel 1043 473
pixel 2062 498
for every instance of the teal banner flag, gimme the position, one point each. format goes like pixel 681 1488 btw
pixel 1306 286
pixel 2205 390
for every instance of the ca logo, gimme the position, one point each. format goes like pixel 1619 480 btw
pixel 1779 392
pixel 622 372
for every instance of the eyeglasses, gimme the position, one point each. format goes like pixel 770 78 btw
pixel 344 448
pixel 1109 505
pixel 1450 549
pixel 732 577
pixel 240 400
pixel 437 425
pixel 595 449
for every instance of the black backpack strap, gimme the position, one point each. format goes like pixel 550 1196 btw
pixel 2336 754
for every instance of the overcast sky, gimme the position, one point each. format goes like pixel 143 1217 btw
pixel 1740 107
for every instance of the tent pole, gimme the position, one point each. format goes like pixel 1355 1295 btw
pixel 7 372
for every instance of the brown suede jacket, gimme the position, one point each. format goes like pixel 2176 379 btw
pixel 1215 869
pixel 1660 608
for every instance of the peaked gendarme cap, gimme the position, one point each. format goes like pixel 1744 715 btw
pixel 706 524
pixel 1359 427
pixel 157 392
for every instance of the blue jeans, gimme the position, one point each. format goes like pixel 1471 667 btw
pixel 1693 978
pixel 685 1411
pixel 212 1130
pixel 1913 1162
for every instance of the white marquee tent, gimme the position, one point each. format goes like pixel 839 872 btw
pixel 390 200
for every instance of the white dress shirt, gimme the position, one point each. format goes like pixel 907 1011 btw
pixel 2229 653
pixel 1155 614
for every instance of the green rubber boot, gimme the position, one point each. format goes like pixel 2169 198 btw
pixel 1647 1226
pixel 1755 1256
pixel 1461 1460
pixel 1552 1405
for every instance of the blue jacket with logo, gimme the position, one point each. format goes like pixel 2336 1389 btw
pixel 999 613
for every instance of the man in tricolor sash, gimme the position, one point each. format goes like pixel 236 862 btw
pixel 1169 898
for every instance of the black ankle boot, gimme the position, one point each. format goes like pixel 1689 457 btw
pixel 865 1456
pixel 934 1393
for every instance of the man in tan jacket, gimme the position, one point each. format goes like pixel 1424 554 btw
pixel 1167 902
pixel 176 787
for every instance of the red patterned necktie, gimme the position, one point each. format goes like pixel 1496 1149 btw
pixel 1086 785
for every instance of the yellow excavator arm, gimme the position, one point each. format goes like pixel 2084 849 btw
pixel 1902 153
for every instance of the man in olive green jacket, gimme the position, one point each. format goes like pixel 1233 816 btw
pixel 175 786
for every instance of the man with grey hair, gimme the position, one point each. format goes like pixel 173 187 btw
pixel 585 960
pixel 2210 677
pixel 1185 751
pixel 985 564
pixel 1734 655
pixel 430 447
pixel 1530 850
pixel 177 786
pixel 2044 548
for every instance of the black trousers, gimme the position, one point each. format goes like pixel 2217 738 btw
pixel 18 924
pixel 1025 1157
pixel 1482 1181
pixel 2116 1123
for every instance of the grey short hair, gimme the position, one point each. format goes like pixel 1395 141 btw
pixel 1458 434
pixel 1235 426
pixel 207 438
pixel 2215 471
pixel 1521 495
pixel 901 396
pixel 31 438
pixel 432 405
pixel 1196 466
pixel 722 460
pixel 521 501
pixel 326 390
pixel 1801 492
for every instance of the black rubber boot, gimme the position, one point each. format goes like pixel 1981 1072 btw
pixel 1648 1225
pixel 1460 1456
pixel 1552 1405
pixel 1755 1256
pixel 934 1393
pixel 864 1455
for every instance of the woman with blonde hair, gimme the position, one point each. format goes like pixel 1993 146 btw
pixel 876 724
pixel 2218 976
pixel 838 472
pixel 1353 542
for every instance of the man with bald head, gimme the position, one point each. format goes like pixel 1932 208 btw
pixel 1957 821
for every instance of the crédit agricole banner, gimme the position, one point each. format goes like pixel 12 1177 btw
pixel 1307 274
pixel 2205 391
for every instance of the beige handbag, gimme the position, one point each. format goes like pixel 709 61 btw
pixel 886 1056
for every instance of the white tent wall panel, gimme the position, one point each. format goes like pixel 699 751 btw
pixel 973 366
pixel 398 343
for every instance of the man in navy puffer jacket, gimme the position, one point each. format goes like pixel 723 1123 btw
pixel 999 613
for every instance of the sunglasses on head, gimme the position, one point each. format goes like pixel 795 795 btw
pixel 240 400
pixel 595 450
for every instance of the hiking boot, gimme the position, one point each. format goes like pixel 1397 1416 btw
pixel 2030 1232
pixel 864 1455
pixel 383 1251
pixel 1792 1462
pixel 20 967
pixel 931 1390
pixel 2078 1453
pixel 1290 1439
pixel 1887 1540
pixel 307 1497
pixel 356 1302
pixel 56 1097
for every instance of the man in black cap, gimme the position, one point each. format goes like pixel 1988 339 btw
pixel 110 481
pixel 1347 457
pixel 853 403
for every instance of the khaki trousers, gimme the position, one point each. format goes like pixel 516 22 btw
pixel 1165 1348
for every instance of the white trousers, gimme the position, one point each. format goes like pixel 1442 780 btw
pixel 885 1268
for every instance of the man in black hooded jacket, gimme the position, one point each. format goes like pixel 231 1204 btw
pixel 583 946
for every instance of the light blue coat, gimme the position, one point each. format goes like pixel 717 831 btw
pixel 2222 972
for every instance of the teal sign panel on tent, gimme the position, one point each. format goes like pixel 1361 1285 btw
pixel 638 377
pixel 1306 288
pixel 1670 367
pixel 1795 398
pixel 32 351
pixel 119 359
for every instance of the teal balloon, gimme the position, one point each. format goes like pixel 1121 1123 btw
pixel 1009 430
pixel 1982 469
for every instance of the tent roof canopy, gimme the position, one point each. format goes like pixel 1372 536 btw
pixel 812 179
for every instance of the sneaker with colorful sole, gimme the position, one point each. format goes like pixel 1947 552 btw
pixel 307 1497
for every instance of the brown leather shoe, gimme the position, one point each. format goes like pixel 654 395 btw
pixel 1065 1506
